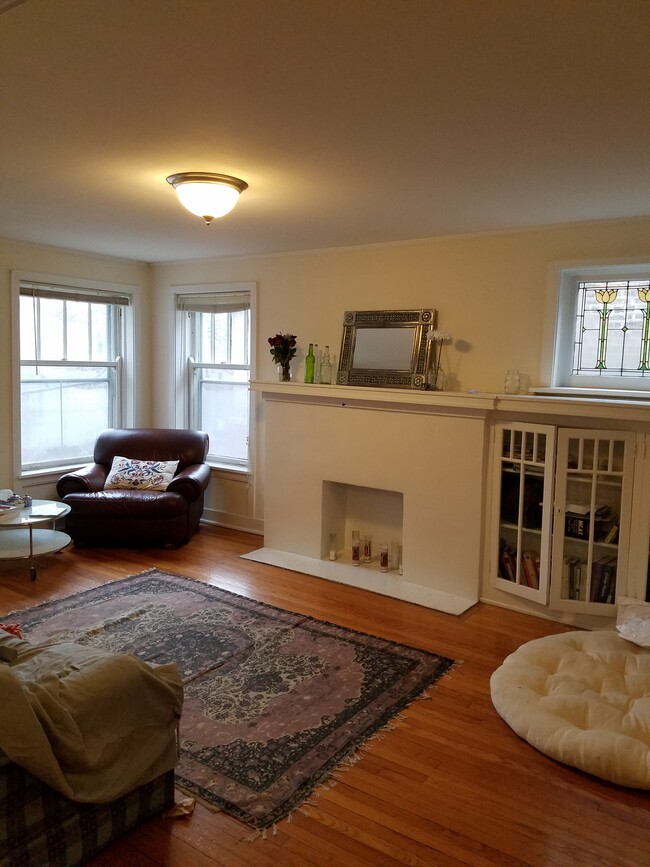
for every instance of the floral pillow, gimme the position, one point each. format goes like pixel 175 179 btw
pixel 140 475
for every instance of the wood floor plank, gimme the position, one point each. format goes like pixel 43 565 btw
pixel 449 784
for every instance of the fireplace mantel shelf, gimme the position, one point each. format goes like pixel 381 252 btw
pixel 392 399
pixel 461 403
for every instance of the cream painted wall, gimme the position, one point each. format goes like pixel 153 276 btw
pixel 65 263
pixel 490 292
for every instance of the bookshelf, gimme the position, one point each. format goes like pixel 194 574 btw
pixel 592 519
pixel 523 468
pixel 562 504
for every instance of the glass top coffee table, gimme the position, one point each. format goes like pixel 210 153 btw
pixel 26 535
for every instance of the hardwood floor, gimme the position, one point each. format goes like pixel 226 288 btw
pixel 450 785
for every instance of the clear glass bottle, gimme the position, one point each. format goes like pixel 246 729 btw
pixel 309 364
pixel 326 367
pixel 317 361
pixel 383 558
pixel 367 549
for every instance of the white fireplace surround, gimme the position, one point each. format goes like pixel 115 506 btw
pixel 333 452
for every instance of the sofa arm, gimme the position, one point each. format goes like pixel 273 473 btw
pixel 84 481
pixel 191 482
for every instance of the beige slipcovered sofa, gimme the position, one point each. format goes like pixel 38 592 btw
pixel 88 741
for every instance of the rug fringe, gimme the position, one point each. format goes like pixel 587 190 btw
pixel 347 763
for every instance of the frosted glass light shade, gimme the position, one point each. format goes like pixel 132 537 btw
pixel 205 194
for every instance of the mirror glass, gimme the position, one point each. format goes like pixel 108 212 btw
pixel 386 348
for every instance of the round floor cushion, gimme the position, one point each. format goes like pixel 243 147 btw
pixel 582 698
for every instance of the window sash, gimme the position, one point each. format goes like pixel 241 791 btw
pixel 55 429
pixel 198 384
pixel 208 346
pixel 66 428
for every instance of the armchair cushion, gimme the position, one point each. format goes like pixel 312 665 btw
pixel 141 475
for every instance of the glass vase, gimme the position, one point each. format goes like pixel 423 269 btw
pixel 284 371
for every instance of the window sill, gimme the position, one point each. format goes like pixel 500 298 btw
pixel 225 470
pixel 594 393
pixel 48 474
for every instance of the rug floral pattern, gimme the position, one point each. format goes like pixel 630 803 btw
pixel 274 701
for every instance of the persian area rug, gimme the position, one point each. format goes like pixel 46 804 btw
pixel 274 701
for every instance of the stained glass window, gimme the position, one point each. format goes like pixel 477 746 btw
pixel 612 330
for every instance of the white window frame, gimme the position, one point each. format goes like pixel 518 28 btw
pixel 561 314
pixel 125 366
pixel 184 365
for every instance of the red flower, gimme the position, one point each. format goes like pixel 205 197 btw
pixel 283 347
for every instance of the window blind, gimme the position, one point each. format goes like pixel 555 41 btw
pixel 72 293
pixel 214 302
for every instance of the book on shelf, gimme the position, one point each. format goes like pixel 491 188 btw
pixel 578 520
pixel 576 579
pixel 603 579
pixel 529 572
pixel 608 588
pixel 507 568
pixel 572 578
pixel 612 534
pixel 596 577
pixel 566 577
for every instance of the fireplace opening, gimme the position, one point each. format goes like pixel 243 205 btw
pixel 373 512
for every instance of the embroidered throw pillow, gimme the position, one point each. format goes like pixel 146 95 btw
pixel 141 475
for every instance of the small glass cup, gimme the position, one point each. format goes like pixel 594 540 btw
pixel 394 555
pixel 356 548
pixel 332 546
pixel 511 385
pixel 367 549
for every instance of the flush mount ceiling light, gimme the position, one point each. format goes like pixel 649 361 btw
pixel 206 194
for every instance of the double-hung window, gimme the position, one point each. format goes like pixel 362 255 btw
pixel 602 336
pixel 216 346
pixel 72 343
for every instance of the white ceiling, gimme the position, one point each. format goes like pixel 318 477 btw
pixel 353 121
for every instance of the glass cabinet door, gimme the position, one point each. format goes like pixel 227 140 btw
pixel 592 518
pixel 523 473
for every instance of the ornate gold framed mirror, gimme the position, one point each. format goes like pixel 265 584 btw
pixel 386 348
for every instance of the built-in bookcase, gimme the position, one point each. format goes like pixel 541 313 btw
pixel 592 519
pixel 562 502
pixel 523 467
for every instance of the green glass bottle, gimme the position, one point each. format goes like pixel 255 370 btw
pixel 309 364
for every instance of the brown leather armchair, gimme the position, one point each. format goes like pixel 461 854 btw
pixel 132 517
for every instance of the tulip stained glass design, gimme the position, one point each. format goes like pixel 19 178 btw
pixel 612 330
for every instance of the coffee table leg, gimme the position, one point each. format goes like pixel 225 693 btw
pixel 32 568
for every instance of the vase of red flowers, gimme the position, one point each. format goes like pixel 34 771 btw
pixel 283 349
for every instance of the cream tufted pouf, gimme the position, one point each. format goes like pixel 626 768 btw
pixel 582 698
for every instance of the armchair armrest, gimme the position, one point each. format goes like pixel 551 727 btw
pixel 191 482
pixel 86 480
